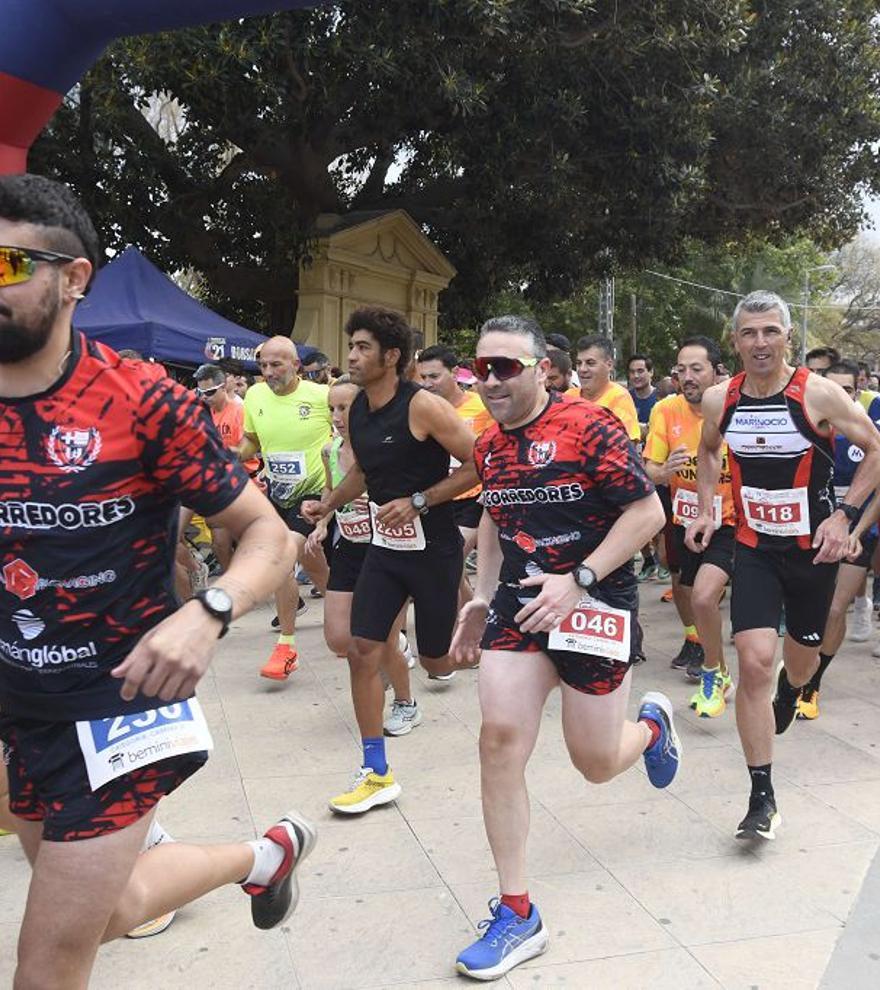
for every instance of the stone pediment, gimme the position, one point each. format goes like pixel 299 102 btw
pixel 388 240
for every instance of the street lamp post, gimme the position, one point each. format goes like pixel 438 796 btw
pixel 814 268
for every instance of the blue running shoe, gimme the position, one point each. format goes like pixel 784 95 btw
pixel 663 758
pixel 507 941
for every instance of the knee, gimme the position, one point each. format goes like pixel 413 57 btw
pixel 364 654
pixel 337 643
pixel 702 602
pixel 500 744
pixel 837 611
pixel 755 672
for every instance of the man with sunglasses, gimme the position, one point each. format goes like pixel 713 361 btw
pixel 566 504
pixel 287 419
pixel 402 437
pixel 98 664
pixel 317 368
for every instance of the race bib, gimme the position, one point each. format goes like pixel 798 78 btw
pixel 286 471
pixel 112 747
pixel 780 512
pixel 354 522
pixel 595 628
pixel 409 536
pixel 684 508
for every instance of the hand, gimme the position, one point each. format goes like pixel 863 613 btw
pixel 700 532
pixel 853 548
pixel 313 511
pixel 559 595
pixel 831 539
pixel 396 513
pixel 316 538
pixel 676 460
pixel 471 625
pixel 171 658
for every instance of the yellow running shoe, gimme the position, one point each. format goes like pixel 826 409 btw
pixel 808 704
pixel 154 927
pixel 368 789
pixel 709 701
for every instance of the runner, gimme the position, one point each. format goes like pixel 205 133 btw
pixel 402 438
pixel 437 370
pixel 851 574
pixel 595 366
pixel 559 372
pixel 639 369
pixel 288 420
pixel 352 534
pixel 567 503
pixel 96 452
pixel 671 458
pixel 820 359
pixel 778 422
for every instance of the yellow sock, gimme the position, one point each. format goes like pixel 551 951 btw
pixel 286 640
pixel 690 632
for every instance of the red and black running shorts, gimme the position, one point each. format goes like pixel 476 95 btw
pixel 48 782
pixel 584 672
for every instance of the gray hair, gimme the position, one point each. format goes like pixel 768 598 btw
pixel 523 326
pixel 762 301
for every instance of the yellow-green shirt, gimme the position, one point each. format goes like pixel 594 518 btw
pixel 291 430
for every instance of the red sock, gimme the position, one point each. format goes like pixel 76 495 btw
pixel 518 902
pixel 655 731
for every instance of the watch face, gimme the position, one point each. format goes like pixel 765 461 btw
pixel 218 599
pixel 419 501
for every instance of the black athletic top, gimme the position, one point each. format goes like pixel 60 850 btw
pixel 395 463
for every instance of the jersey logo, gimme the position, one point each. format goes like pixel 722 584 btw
pixel 525 542
pixel 676 430
pixel 29 625
pixel 855 454
pixel 73 450
pixel 388 440
pixel 20 578
pixel 542 452
pixel 305 412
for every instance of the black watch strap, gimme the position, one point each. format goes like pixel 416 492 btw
pixel 850 511
pixel 222 610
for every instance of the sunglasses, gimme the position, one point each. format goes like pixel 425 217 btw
pixel 19 264
pixel 503 368
pixel 209 391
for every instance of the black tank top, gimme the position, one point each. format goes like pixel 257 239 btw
pixel 774 447
pixel 395 463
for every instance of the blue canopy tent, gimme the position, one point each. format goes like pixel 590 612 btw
pixel 133 304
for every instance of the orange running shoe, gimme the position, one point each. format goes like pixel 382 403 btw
pixel 666 596
pixel 281 663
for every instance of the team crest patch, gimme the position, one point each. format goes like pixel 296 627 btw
pixel 73 450
pixel 305 412
pixel 542 452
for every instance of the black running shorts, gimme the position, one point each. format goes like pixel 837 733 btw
pixel 765 580
pixel 467 512
pixel 389 577
pixel 582 671
pixel 869 545
pixel 48 782
pixel 346 561
pixel 719 552
pixel 292 518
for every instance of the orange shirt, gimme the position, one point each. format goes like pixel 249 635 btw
pixel 476 417
pixel 619 401
pixel 674 421
pixel 230 426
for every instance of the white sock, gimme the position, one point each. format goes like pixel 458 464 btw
pixel 156 836
pixel 268 857
pixel 860 604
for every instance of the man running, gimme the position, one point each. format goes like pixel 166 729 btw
pixel 851 574
pixel 96 454
pixel 566 503
pixel 402 438
pixel 437 368
pixel 595 366
pixel 779 424
pixel 639 370
pixel 288 420
pixel 671 459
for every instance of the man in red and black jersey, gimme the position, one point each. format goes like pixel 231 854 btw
pixel 779 423
pixel 567 503
pixel 96 454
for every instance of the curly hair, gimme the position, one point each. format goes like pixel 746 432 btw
pixel 388 327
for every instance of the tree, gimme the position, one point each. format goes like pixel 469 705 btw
pixel 538 142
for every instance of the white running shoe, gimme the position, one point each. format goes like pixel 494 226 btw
pixel 406 650
pixel 861 626
pixel 404 717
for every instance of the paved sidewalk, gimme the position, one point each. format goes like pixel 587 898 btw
pixel 638 887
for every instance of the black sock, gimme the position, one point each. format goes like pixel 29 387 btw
pixel 761 784
pixel 816 679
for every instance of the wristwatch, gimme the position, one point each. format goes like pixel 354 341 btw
pixel 216 602
pixel 419 502
pixel 584 577
pixel 850 511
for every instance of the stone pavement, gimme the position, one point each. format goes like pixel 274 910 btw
pixel 639 888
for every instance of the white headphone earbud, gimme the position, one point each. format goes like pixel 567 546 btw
pixel 79 295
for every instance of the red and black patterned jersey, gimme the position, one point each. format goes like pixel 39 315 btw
pixel 556 486
pixel 92 472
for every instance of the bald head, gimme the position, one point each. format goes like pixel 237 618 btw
pixel 278 364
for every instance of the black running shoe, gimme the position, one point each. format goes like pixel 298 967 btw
pixel 274 903
pixel 695 662
pixel 785 702
pixel 762 820
pixel 680 661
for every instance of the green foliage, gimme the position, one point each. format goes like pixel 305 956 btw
pixel 538 142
